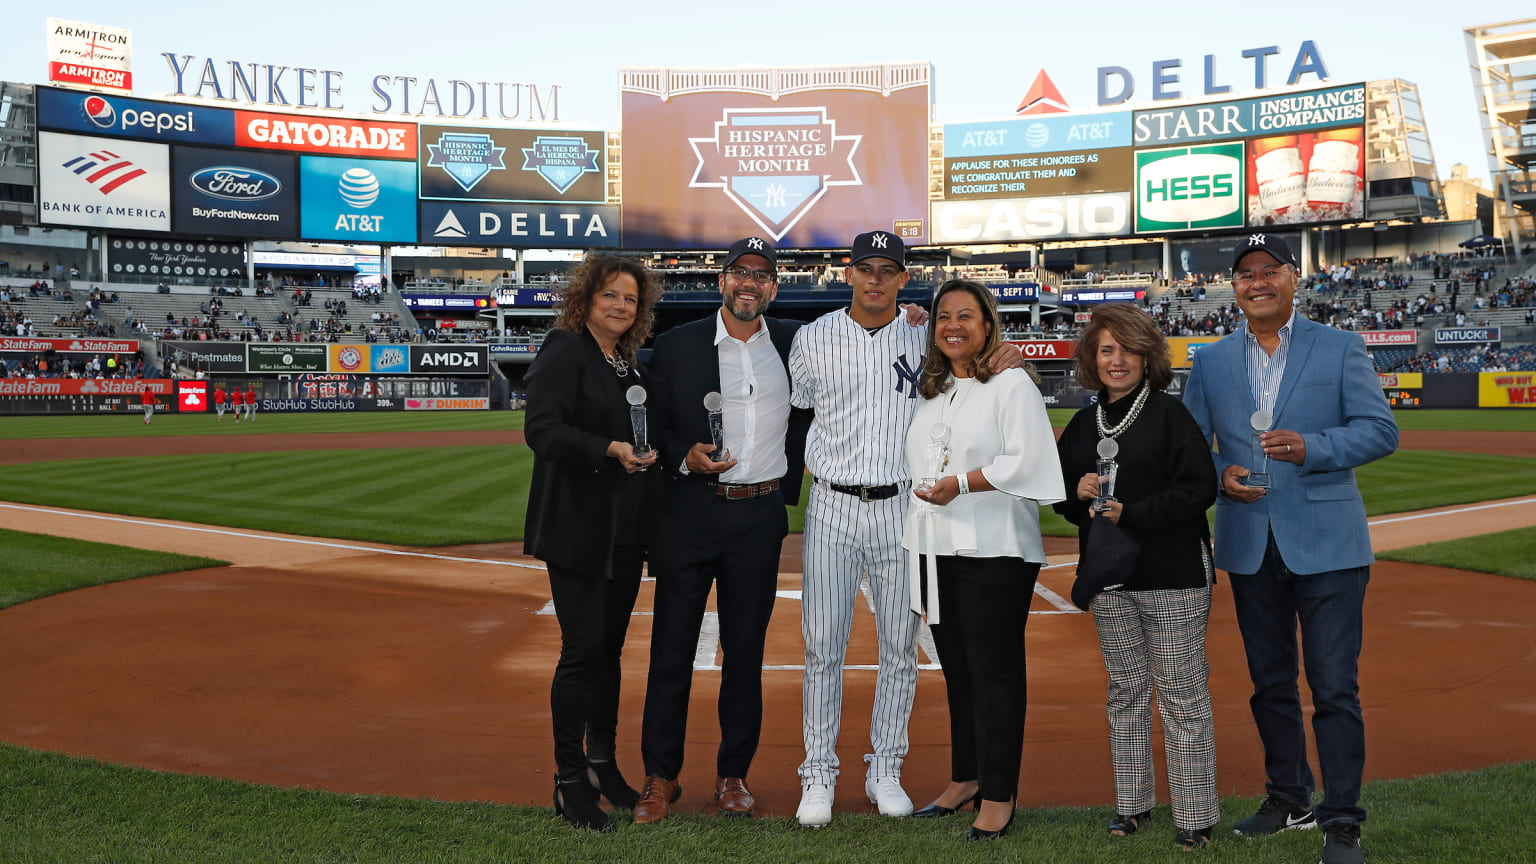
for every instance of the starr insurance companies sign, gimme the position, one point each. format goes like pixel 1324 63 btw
pixel 90 55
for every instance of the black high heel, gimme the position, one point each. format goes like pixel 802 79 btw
pixel 575 803
pixel 610 784
pixel 983 834
pixel 936 810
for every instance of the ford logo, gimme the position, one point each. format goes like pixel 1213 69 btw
pixel 235 184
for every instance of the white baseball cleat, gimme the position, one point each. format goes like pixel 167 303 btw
pixel 887 794
pixel 815 806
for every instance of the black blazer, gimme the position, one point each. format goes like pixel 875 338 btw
pixel 576 406
pixel 684 367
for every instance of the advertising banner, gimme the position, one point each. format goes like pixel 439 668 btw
pixel 445 403
pixel 1018 220
pixel 1047 349
pixel 68 346
pixel 1098 295
pixel 1506 389
pixel 1409 380
pixel 1181 349
pixel 90 55
pixel 1390 338
pixel 103 183
pixel 389 359
pixel 86 386
pixel 1065 155
pixel 1014 292
pixel 541 297
pixel 1190 188
pixel 1307 177
pixel 121 116
pixel 1466 335
pixel 215 357
pixel 542 226
pixel 364 358
pixel 499 349
pixel 444 301
pixel 1284 114
pixel 337 136
pixel 450 359
pixel 129 256
pixel 240 193
pixel 475 162
pixel 364 200
pixel 286 358
pixel 191 396
pixel 808 161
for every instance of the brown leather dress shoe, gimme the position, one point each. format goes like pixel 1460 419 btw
pixel 656 799
pixel 733 797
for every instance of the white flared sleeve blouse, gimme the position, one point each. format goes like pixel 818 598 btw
pixel 1001 427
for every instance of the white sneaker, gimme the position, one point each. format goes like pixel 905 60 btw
pixel 887 794
pixel 816 806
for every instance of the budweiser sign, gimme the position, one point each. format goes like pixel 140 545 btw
pixel 70 346
pixel 1385 338
pixel 85 386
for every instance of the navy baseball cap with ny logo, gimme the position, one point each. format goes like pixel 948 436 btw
pixel 878 244
pixel 1274 244
pixel 751 246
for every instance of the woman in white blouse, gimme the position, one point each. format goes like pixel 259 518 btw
pixel 984 441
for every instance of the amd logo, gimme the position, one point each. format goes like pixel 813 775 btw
pixel 454 359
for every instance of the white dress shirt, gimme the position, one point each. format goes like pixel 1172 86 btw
pixel 755 389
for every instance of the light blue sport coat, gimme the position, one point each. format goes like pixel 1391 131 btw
pixel 1330 395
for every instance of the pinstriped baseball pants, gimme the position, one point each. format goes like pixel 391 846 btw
pixel 846 539
pixel 1158 637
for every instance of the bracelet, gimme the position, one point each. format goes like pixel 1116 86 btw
pixel 965 483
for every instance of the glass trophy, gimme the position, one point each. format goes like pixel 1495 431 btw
pixel 635 396
pixel 1258 477
pixel 937 457
pixel 714 403
pixel 1107 469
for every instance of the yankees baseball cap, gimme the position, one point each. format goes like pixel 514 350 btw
pixel 751 246
pixel 1271 243
pixel 878 244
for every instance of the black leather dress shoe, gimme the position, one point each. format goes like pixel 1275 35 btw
pixel 936 810
pixel 983 834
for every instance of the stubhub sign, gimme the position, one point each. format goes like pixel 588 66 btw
pixel 368 200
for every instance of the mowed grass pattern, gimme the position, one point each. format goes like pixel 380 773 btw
pixel 413 496
pixel 37 565
pixel 131 425
pixel 1506 553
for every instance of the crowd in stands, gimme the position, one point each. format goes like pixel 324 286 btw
pixel 1481 358
pixel 52 364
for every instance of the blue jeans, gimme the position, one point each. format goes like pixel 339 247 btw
pixel 1329 608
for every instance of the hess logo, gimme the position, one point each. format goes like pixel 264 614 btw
pixel 100 112
pixel 235 184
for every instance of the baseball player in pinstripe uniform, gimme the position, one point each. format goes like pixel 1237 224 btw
pixel 858 369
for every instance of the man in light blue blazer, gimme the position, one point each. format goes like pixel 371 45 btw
pixel 1300 402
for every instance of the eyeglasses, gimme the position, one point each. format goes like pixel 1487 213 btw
pixel 761 277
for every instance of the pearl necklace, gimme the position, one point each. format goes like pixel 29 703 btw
pixel 1105 431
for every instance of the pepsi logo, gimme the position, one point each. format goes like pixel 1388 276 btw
pixel 359 188
pixel 235 184
pixel 100 112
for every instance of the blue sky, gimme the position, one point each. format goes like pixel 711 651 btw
pixel 985 54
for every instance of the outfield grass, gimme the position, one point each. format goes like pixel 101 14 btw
pixel 56 809
pixel 1498 420
pixel 36 565
pixel 1506 553
pixel 415 496
pixel 131 425
pixel 450 495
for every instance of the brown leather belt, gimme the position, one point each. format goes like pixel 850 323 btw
pixel 866 493
pixel 739 491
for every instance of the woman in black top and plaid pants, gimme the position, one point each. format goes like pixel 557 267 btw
pixel 1152 628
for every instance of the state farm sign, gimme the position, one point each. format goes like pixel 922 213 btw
pixel 68 346
pixel 85 387
pixel 1047 349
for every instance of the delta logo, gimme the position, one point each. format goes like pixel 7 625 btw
pixel 775 163
pixel 1042 98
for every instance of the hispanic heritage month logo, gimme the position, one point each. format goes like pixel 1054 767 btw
pixel 775 163
pixel 560 160
pixel 469 158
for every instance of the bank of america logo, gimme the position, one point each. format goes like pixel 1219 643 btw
pixel 108 170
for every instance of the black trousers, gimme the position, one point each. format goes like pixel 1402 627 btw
pixel 734 546
pixel 984 605
pixel 584 696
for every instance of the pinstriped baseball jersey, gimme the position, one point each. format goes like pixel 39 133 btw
pixel 864 390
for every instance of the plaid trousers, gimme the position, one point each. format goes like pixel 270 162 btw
pixel 1158 637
